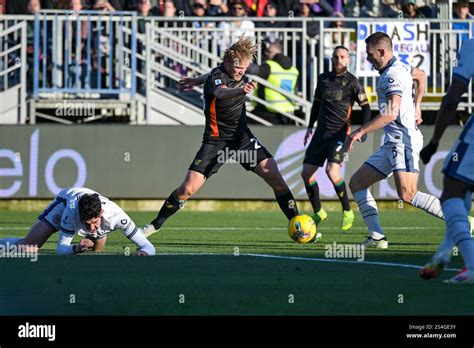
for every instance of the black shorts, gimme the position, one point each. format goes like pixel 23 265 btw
pixel 246 151
pixel 333 149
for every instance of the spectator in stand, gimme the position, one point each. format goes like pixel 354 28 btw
pixel 183 8
pixel 240 28
pixel 144 10
pixel 3 6
pixel 217 8
pixel 325 8
pixel 410 10
pixel 103 5
pixel 169 8
pixel 198 9
pixel 461 11
pixel 288 8
pixel 32 6
pixel 391 8
pixel 271 10
pixel 312 27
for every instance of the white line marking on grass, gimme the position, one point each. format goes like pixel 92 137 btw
pixel 299 258
pixel 227 228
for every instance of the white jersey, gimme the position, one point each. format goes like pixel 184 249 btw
pixel 113 218
pixel 395 79
pixel 464 71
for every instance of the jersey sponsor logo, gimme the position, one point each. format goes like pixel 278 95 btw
pixel 197 161
pixel 123 221
pixel 391 80
pixel 218 82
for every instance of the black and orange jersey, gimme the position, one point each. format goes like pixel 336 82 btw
pixel 225 118
pixel 337 94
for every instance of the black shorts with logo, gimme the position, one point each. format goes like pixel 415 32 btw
pixel 245 150
pixel 333 149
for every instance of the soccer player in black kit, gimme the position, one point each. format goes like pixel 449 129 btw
pixel 335 95
pixel 225 89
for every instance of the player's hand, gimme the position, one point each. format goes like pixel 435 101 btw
pixel 357 135
pixel 307 136
pixel 419 118
pixel 84 245
pixel 428 151
pixel 186 83
pixel 249 87
pixel 140 253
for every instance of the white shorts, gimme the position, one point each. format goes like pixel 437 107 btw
pixel 395 158
pixel 459 164
pixel 53 214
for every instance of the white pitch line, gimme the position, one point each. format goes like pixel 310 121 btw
pixel 299 258
pixel 281 257
pixel 214 228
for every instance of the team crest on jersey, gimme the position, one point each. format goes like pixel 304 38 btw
pixel 218 82
pixel 197 161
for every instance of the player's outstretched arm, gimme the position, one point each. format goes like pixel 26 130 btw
pixel 187 83
pixel 224 92
pixel 419 76
pixel 444 117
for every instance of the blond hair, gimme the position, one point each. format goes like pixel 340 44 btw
pixel 244 49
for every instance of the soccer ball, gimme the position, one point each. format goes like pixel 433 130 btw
pixel 302 229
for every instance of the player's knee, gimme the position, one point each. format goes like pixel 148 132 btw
pixel 186 191
pixel 332 174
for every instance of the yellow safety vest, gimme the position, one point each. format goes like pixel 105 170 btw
pixel 285 79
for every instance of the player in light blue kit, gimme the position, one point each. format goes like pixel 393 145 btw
pixel 458 169
pixel 400 115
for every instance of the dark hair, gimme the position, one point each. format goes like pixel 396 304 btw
pixel 461 4
pixel 340 47
pixel 377 38
pixel 89 207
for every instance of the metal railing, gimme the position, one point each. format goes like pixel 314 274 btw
pixel 13 66
pixel 85 52
pixel 113 61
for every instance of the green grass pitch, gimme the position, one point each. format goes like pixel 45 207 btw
pixel 216 263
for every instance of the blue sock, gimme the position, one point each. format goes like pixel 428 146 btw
pixel 457 229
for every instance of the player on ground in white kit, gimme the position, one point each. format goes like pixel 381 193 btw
pixel 458 169
pixel 400 115
pixel 85 212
